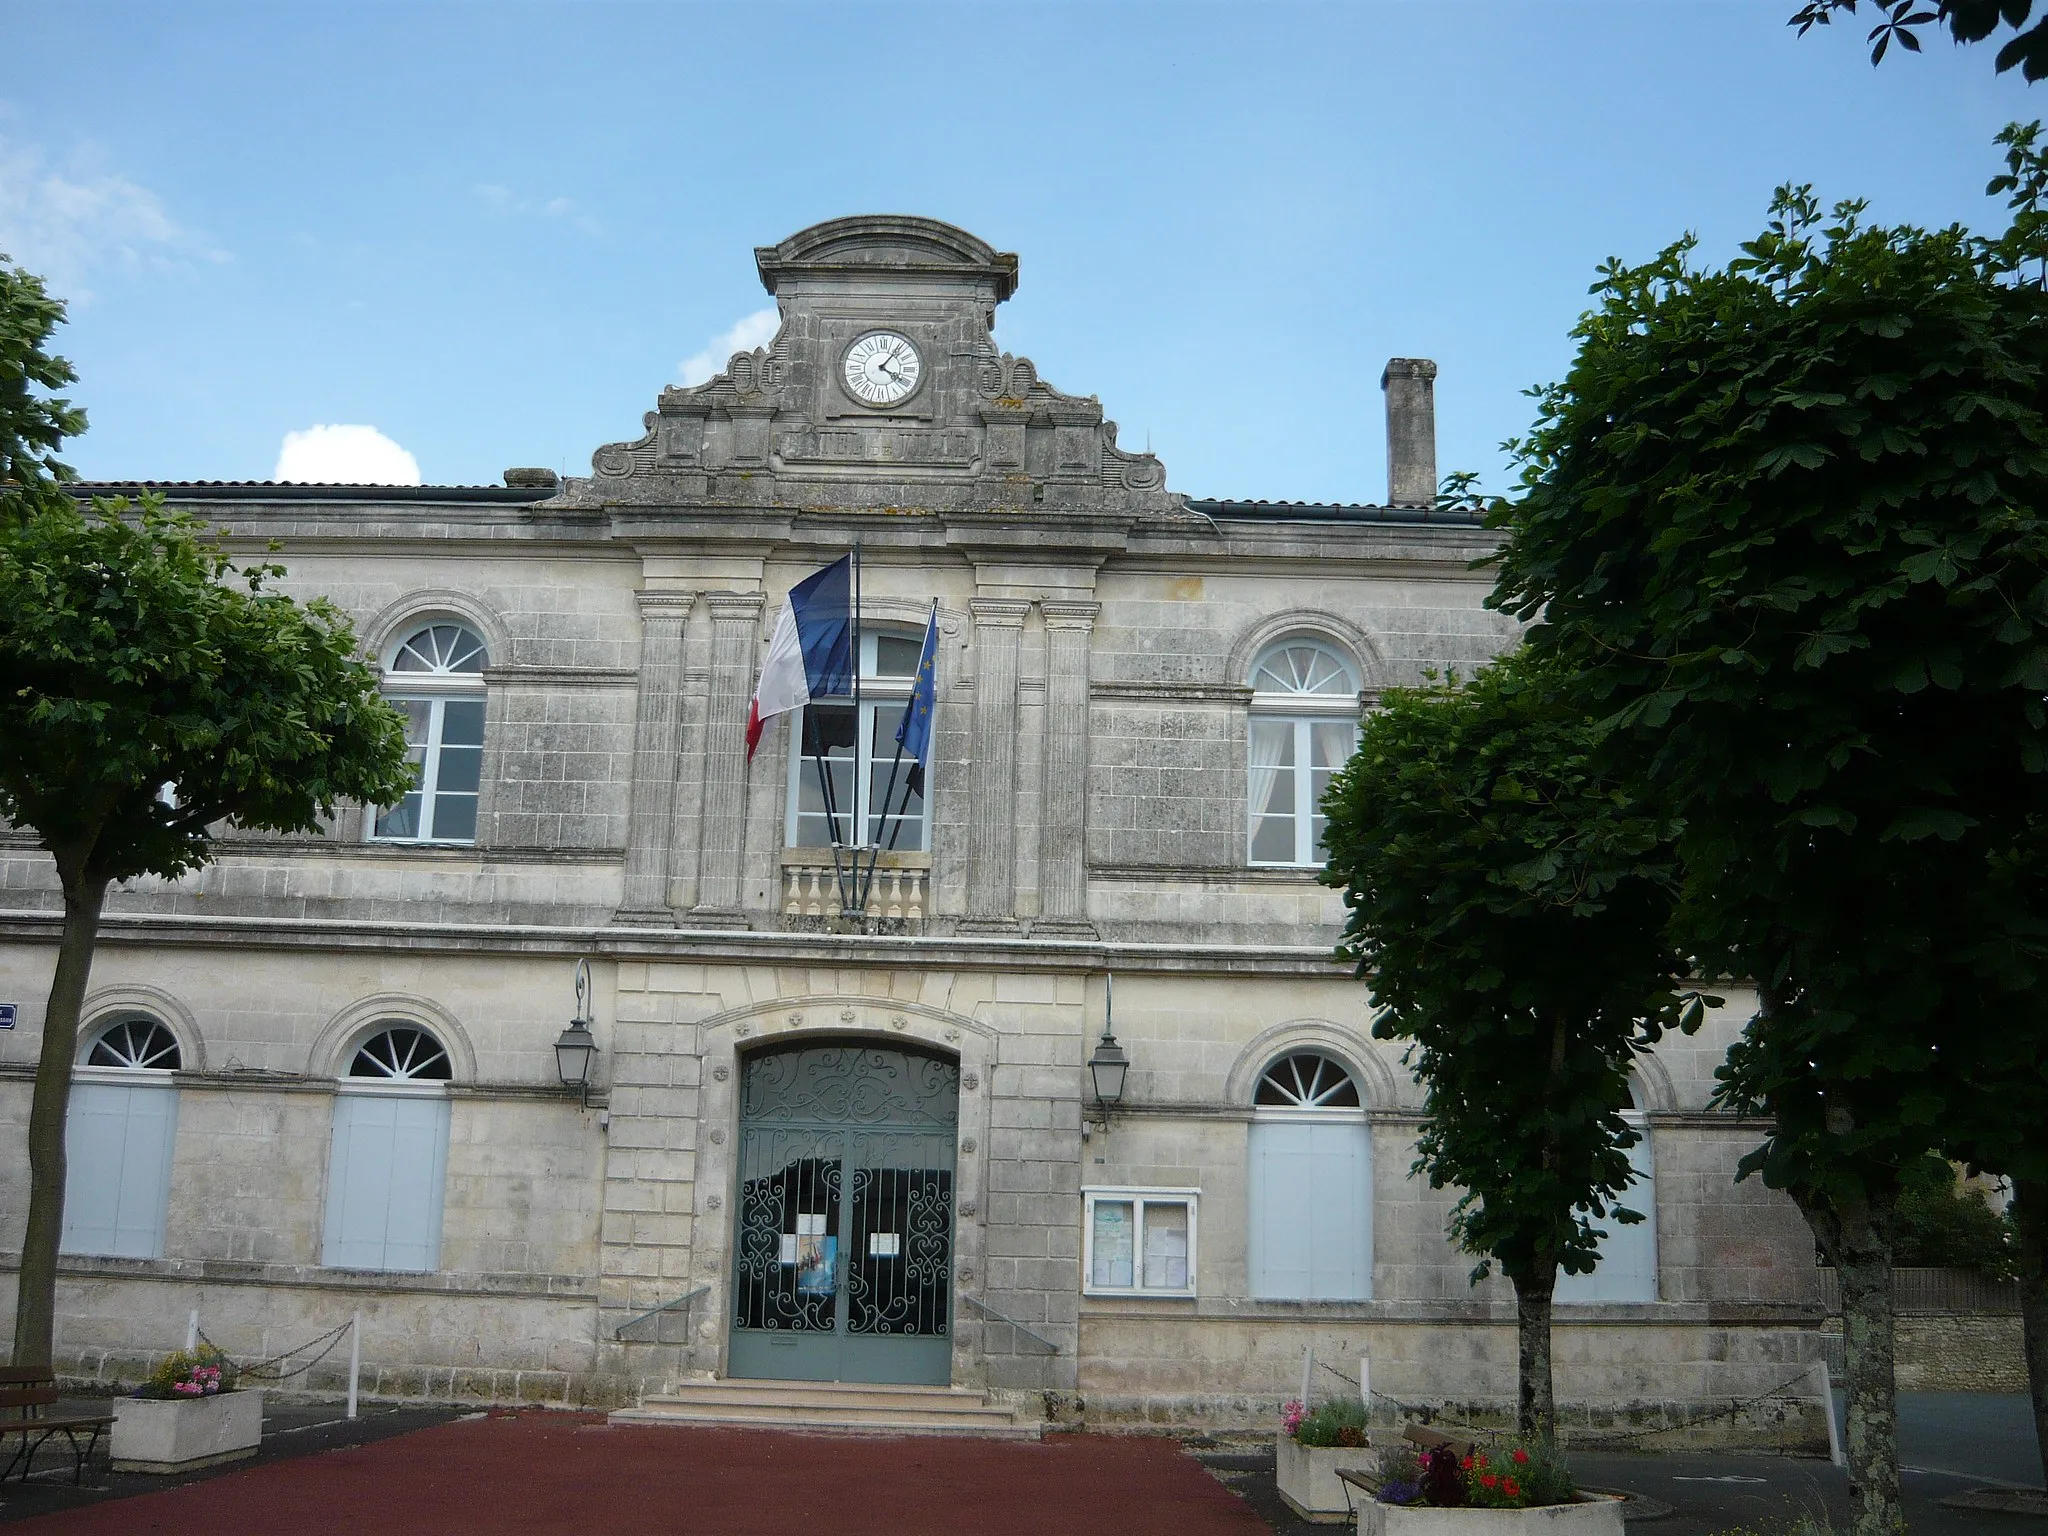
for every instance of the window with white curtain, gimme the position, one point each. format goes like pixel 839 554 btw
pixel 435 679
pixel 862 774
pixel 1627 1270
pixel 390 1154
pixel 118 1137
pixel 1310 1195
pixel 1304 725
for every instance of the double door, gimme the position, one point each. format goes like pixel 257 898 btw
pixel 843 1251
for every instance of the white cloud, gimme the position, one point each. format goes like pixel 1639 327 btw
pixel 344 455
pixel 72 222
pixel 505 200
pixel 757 330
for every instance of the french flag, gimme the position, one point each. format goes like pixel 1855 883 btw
pixel 811 654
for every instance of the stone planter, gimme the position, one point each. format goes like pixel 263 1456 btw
pixel 1307 1475
pixel 1596 1514
pixel 183 1433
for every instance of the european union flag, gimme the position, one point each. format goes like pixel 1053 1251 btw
pixel 914 735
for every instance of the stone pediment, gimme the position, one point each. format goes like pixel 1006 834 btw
pixel 783 425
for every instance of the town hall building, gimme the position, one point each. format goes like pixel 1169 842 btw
pixel 837 1135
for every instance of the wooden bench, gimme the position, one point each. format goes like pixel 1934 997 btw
pixel 26 1393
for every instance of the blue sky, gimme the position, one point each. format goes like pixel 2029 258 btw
pixel 492 232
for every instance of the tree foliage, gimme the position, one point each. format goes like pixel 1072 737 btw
pixel 1508 903
pixel 33 423
pixel 1967 21
pixel 137 655
pixel 1784 523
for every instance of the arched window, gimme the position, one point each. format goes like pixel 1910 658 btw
pixel 135 1043
pixel 390 1153
pixel 403 1055
pixel 118 1139
pixel 862 772
pixel 435 678
pixel 1627 1270
pixel 1304 724
pixel 1311 1183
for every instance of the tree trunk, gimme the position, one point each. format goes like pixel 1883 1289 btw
pixel 35 1305
pixel 1536 1395
pixel 1856 1236
pixel 2030 1216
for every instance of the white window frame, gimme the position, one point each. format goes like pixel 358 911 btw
pixel 1140 1198
pixel 145 1185
pixel 1303 711
pixel 1593 1289
pixel 436 690
pixel 870 773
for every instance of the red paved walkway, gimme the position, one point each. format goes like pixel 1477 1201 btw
pixel 558 1472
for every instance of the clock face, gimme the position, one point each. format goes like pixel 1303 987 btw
pixel 882 368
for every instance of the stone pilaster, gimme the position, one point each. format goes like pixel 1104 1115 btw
pixel 1062 861
pixel 992 768
pixel 657 737
pixel 735 629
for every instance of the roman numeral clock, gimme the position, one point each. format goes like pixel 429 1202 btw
pixel 882 368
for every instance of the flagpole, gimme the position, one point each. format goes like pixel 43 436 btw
pixel 896 826
pixel 830 800
pixel 859 805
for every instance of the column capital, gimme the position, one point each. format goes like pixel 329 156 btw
pixel 1063 615
pixel 999 612
pixel 735 605
pixel 665 603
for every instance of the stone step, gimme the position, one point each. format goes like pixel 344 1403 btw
pixel 835 1407
pixel 1004 1428
pixel 841 1394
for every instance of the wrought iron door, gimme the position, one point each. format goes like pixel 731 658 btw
pixel 843 1241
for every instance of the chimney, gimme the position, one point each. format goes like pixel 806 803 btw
pixel 1410 383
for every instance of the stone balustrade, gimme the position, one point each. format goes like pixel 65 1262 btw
pixel 811 890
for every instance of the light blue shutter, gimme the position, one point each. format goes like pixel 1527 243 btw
pixel 117 1182
pixel 1628 1254
pixel 1311 1210
pixel 384 1182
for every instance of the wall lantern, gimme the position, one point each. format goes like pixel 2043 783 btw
pixel 575 1047
pixel 1109 1065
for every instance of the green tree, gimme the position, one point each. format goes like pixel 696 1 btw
pixel 1508 904
pixel 153 693
pixel 1783 522
pixel 1968 21
pixel 33 423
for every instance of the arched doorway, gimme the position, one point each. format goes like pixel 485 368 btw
pixel 843 1240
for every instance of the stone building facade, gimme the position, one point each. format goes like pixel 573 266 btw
pixel 318 1076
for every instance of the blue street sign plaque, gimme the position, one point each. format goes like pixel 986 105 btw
pixel 7 1011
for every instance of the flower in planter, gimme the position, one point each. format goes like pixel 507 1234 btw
pixel 204 1372
pixel 1340 1424
pixel 1535 1477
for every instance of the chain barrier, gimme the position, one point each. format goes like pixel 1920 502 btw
pixel 261 1369
pixel 1428 1415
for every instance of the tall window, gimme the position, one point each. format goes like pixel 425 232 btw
pixel 1304 725
pixel 1627 1270
pixel 436 680
pixel 390 1154
pixel 864 784
pixel 118 1137
pixel 1311 1183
